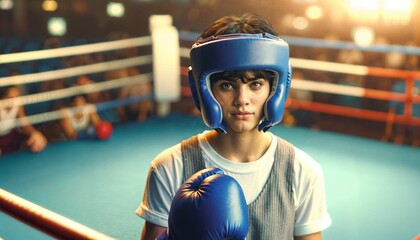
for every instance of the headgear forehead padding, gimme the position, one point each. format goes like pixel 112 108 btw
pixel 239 52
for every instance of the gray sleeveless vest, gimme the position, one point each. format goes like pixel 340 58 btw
pixel 272 214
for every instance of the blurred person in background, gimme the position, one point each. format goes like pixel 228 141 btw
pixel 137 111
pixel 78 118
pixel 26 136
pixel 98 97
pixel 403 133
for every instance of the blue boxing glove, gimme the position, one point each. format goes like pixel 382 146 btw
pixel 210 206
pixel 87 133
pixel 101 131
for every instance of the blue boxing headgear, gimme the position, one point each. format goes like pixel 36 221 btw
pixel 233 52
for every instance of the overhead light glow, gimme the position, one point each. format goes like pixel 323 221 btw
pixel 401 5
pixel 363 5
pixel 57 26
pixel 49 5
pixel 365 11
pixel 397 12
pixel 388 11
pixel 363 36
pixel 115 9
pixel 300 23
pixel 6 4
pixel 314 12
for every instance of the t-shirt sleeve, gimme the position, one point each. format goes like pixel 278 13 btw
pixel 311 213
pixel 163 180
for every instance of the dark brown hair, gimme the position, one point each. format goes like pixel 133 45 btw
pixel 246 23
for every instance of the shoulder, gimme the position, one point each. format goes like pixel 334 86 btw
pixel 309 195
pixel 89 107
pixel 168 157
pixel 66 112
pixel 171 156
pixel 308 173
pixel 166 170
pixel 305 162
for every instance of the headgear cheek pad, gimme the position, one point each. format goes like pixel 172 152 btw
pixel 239 52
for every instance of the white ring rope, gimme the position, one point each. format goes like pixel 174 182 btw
pixel 313 65
pixel 327 88
pixel 83 89
pixel 141 60
pixel 75 71
pixel 71 91
pixel 59 114
pixel 329 66
pixel 75 50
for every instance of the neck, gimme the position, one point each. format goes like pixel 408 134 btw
pixel 240 147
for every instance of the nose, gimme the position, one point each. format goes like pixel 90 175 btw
pixel 242 95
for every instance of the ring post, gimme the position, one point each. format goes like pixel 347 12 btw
pixel 166 62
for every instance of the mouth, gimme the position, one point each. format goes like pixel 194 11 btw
pixel 242 115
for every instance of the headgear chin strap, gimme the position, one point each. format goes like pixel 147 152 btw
pixel 239 52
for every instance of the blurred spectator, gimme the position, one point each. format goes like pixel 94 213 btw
pixel 78 117
pixel 296 116
pixel 321 76
pixel 134 111
pixel 51 85
pixel 85 60
pixel 411 61
pixel 51 63
pixel 13 139
pixel 353 57
pixel 51 129
pixel 108 115
pixel 376 59
pixel 402 133
pixel 21 88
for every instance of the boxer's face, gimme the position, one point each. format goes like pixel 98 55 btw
pixel 12 93
pixel 79 101
pixel 242 99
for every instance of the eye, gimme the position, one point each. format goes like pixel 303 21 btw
pixel 225 85
pixel 257 84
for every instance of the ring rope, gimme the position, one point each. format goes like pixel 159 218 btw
pixel 320 43
pixel 351 112
pixel 346 90
pixel 75 71
pixel 329 66
pixel 75 90
pixel 45 220
pixel 59 114
pixel 75 50
pixel 332 88
pixel 338 67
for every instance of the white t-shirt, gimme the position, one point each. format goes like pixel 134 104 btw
pixel 166 176
pixel 84 111
pixel 8 115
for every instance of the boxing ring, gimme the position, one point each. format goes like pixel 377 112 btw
pixel 95 186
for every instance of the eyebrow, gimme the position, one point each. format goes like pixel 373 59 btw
pixel 235 78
